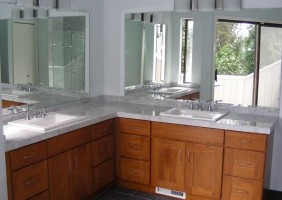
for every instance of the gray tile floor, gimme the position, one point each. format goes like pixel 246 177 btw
pixel 117 193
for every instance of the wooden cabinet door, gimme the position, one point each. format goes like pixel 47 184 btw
pixel 83 171
pixel 168 160
pixel 203 170
pixel 61 176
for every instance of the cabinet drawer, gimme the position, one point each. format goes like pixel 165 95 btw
pixel 242 163
pixel 241 189
pixel 188 133
pixel 135 146
pixel 28 155
pixel 68 141
pixel 248 141
pixel 102 149
pixel 102 129
pixel 103 174
pixel 133 126
pixel 135 171
pixel 30 181
pixel 43 196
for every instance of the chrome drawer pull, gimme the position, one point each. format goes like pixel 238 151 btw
pixel 135 147
pixel 102 150
pixel 242 191
pixel 134 127
pixel 30 182
pixel 30 156
pixel 101 176
pixel 188 156
pixel 135 171
pixel 103 130
pixel 244 164
pixel 245 141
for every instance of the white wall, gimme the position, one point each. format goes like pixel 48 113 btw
pixel 261 4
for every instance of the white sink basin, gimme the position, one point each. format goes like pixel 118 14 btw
pixel 52 120
pixel 168 91
pixel 194 114
pixel 16 93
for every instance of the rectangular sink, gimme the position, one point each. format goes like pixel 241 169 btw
pixel 194 114
pixel 168 91
pixel 16 93
pixel 52 120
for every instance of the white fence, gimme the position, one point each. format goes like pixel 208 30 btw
pixel 239 89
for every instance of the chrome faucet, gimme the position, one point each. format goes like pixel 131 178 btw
pixel 28 114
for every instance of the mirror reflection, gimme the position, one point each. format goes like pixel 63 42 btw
pixel 231 56
pixel 47 51
pixel 145 51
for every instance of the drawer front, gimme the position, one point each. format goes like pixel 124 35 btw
pixel 242 163
pixel 43 196
pixel 28 155
pixel 188 133
pixel 241 189
pixel 103 174
pixel 248 141
pixel 68 141
pixel 133 126
pixel 102 149
pixel 102 129
pixel 30 181
pixel 135 171
pixel 135 146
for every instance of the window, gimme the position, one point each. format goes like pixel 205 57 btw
pixel 248 62
pixel 186 44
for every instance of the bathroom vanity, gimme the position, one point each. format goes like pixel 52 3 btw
pixel 133 146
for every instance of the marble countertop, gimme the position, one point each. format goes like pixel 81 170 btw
pixel 97 111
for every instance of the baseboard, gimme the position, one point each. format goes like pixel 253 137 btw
pixel 272 194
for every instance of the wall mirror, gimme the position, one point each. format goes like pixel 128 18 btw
pixel 49 49
pixel 145 50
pixel 205 64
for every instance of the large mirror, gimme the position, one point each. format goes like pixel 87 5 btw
pixel 44 47
pixel 231 55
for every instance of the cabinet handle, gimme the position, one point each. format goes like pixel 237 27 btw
pixel 245 141
pixel 180 152
pixel 134 127
pixel 242 191
pixel 70 164
pixel 103 130
pixel 75 161
pixel 30 180
pixel 134 147
pixel 135 171
pixel 29 156
pixel 103 150
pixel 102 176
pixel 244 164
pixel 188 156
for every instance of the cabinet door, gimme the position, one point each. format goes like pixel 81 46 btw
pixel 203 170
pixel 83 171
pixel 61 176
pixel 168 160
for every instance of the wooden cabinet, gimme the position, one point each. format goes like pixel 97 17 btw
pixel 27 171
pixel 168 164
pixel 244 163
pixel 102 154
pixel 203 170
pixel 71 174
pixel 134 151
pixel 6 103
pixel 70 165
pixel 186 158
pixel 192 96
